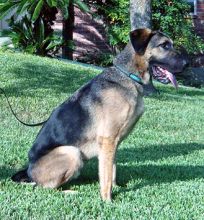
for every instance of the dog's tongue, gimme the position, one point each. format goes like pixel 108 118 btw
pixel 172 78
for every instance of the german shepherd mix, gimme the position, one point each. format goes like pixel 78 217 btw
pixel 98 116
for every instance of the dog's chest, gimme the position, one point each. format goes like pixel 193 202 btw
pixel 135 112
pixel 114 119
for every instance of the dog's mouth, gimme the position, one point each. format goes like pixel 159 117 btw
pixel 163 75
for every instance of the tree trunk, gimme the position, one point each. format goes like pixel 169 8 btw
pixel 67 34
pixel 140 14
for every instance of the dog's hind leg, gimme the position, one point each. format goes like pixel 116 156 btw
pixel 56 167
pixel 21 176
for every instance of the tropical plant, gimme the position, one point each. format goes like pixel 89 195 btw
pixel 34 7
pixel 36 16
pixel 31 38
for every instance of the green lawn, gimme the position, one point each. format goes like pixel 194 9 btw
pixel 160 165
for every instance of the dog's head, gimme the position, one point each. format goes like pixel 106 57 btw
pixel 154 53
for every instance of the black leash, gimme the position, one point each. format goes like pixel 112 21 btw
pixel 26 124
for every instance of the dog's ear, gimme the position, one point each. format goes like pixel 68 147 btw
pixel 140 39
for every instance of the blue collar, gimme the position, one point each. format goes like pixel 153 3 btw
pixel 132 76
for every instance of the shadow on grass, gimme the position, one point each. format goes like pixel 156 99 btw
pixel 33 77
pixel 169 93
pixel 156 152
pixel 156 174
pixel 192 93
pixel 189 91
pixel 150 174
pixel 127 169
pixel 6 172
pixel 176 97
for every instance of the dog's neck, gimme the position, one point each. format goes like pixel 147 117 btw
pixel 133 63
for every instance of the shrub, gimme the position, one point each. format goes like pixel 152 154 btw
pixel 170 16
pixel 31 38
pixel 31 24
pixel 173 17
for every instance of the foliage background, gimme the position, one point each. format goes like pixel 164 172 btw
pixel 170 16
pixel 34 33
pixel 31 24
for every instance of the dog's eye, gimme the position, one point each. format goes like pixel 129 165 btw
pixel 166 45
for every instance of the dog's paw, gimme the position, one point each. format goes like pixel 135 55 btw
pixel 69 191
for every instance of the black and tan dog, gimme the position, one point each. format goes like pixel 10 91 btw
pixel 98 116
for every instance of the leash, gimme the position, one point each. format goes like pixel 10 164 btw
pixel 15 115
pixel 132 76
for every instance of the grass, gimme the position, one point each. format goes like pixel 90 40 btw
pixel 160 165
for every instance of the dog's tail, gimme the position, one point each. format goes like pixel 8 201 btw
pixel 21 176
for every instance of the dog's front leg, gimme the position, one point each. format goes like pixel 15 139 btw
pixel 114 174
pixel 106 161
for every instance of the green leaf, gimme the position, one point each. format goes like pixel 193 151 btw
pixel 6 8
pixel 37 10
pixel 49 2
pixel 54 3
pixel 41 32
pixel 22 7
pixel 53 44
pixel 65 12
pixel 63 6
pixel 84 7
pixel 29 27
pixel 25 31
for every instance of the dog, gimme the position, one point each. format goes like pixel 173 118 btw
pixel 98 116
